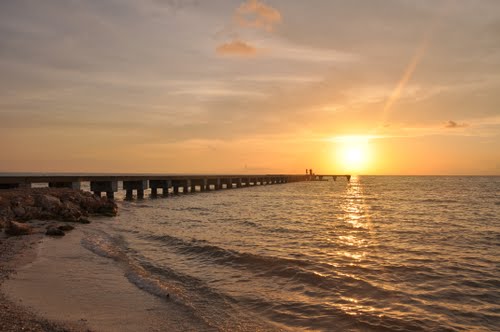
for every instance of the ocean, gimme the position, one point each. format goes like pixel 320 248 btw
pixel 380 253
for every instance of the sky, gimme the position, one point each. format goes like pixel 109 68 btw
pixel 231 86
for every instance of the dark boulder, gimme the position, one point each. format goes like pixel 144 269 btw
pixel 66 228
pixel 53 231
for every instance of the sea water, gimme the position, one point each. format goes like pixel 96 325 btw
pixel 374 254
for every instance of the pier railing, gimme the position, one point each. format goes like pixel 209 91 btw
pixel 178 183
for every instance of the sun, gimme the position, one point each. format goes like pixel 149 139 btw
pixel 353 153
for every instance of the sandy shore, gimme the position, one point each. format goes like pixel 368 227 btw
pixel 55 284
pixel 28 206
pixel 16 252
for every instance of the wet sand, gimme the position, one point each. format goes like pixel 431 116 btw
pixel 16 252
pixel 54 284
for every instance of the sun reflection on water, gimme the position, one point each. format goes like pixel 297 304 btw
pixel 353 205
pixel 354 238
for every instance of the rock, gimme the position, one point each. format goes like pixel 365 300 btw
pixel 16 228
pixel 19 211
pixel 84 221
pixel 32 212
pixel 66 228
pixel 53 204
pixel 50 203
pixel 70 211
pixel 52 231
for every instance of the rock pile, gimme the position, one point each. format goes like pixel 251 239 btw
pixel 49 204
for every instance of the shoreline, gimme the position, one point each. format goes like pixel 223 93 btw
pixel 88 294
pixel 28 215
pixel 53 283
pixel 16 252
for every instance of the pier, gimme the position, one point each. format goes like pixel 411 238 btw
pixel 175 184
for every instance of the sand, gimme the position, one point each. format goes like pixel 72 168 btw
pixel 55 284
pixel 16 252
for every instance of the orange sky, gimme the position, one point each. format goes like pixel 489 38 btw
pixel 362 87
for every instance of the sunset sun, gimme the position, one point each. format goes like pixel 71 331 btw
pixel 354 156
pixel 353 153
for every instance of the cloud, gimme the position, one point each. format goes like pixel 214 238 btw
pixel 255 14
pixel 236 48
pixel 452 124
pixel 250 14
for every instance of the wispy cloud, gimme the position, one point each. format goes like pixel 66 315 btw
pixel 218 92
pixel 236 48
pixel 284 50
pixel 280 78
pixel 255 14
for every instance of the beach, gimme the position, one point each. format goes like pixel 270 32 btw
pixel 15 252
pixel 52 283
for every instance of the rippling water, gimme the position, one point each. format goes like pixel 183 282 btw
pixel 378 253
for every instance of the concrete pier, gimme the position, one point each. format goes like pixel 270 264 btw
pixel 228 182
pixel 140 183
pixel 164 185
pixel 181 183
pixel 214 182
pixel 109 187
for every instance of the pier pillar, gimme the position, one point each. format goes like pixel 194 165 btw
pixel 184 184
pixel 108 187
pixel 71 185
pixel 239 183
pixel 185 187
pixel 228 182
pixel 159 184
pixel 139 186
pixel 202 183
pixel 129 194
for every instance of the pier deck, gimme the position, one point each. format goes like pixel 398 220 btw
pixel 138 182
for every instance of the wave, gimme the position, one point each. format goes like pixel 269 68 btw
pixel 186 291
pixel 297 271
pixel 438 200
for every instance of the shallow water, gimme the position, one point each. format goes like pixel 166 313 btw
pixel 375 254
